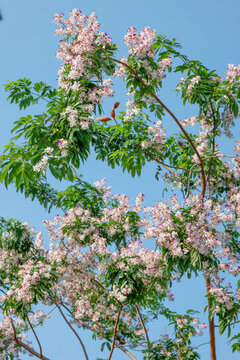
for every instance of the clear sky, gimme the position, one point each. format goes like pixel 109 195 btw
pixel 208 31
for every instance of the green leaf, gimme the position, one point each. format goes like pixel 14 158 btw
pixel 55 170
pixel 19 179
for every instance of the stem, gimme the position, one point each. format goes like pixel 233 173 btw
pixel 175 119
pixel 14 330
pixel 41 97
pixel 36 325
pixel 213 149
pixel 211 324
pixel 233 323
pixel 39 344
pixel 126 352
pixel 79 339
pixel 119 346
pixel 32 351
pixel 172 167
pixel 142 323
pixel 205 343
pixel 25 346
pixel 167 167
pixel 188 184
pixel 114 333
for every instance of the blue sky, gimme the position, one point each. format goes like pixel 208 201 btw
pixel 208 31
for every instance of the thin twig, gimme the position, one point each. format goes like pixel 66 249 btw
pixel 39 323
pixel 213 148
pixel 114 333
pixel 32 351
pixel 51 310
pixel 142 323
pixel 235 322
pixel 218 155
pixel 39 344
pixel 25 346
pixel 166 167
pixel 41 97
pixel 126 351
pixel 205 343
pixel 79 339
pixel 188 184
pixel 119 346
pixel 170 166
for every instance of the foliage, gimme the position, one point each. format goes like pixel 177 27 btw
pixel 110 266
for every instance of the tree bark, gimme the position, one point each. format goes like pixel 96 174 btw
pixel 211 325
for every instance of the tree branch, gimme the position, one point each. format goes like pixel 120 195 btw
pixel 170 166
pixel 79 339
pixel 119 346
pixel 167 167
pixel 211 324
pixel 25 346
pixel 174 118
pixel 233 323
pixel 39 344
pixel 205 343
pixel 213 149
pixel 32 351
pixel 126 351
pixel 142 323
pixel 114 333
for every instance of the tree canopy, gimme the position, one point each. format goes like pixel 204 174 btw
pixel 109 265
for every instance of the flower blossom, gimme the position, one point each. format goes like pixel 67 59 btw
pixel 140 44
pixel 63 145
pixel 193 82
pixel 42 164
pixel 158 136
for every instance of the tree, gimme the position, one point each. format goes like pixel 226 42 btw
pixel 98 271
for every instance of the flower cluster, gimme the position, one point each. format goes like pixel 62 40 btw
pixel 156 71
pixel 183 322
pixel 101 185
pixel 190 121
pixel 193 82
pixel 29 275
pixel 86 36
pixel 132 109
pixel 233 73
pixel 77 50
pixel 86 265
pixel 182 84
pixel 202 144
pixel 166 225
pixel 140 45
pixel 121 69
pixel 158 137
pixel 7 346
pixel 222 297
pixel 63 145
pixel 42 164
